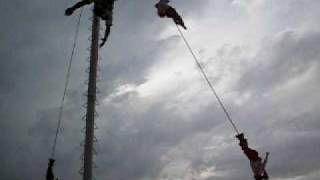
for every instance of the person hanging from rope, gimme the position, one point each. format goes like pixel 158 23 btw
pixel 165 10
pixel 49 174
pixel 257 165
pixel 102 8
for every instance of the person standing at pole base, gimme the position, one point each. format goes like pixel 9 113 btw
pixel 257 165
pixel 102 9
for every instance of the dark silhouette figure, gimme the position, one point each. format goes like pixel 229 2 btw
pixel 165 10
pixel 257 166
pixel 102 8
pixel 50 175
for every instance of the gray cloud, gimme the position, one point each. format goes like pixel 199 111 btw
pixel 287 57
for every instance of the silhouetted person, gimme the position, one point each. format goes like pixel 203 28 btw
pixel 165 10
pixel 102 8
pixel 257 165
pixel 50 175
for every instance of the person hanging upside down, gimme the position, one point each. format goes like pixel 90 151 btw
pixel 102 8
pixel 165 10
pixel 49 174
pixel 257 165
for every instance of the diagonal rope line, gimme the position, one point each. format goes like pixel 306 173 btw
pixel 208 81
pixel 66 86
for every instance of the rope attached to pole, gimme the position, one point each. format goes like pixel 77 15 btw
pixel 208 81
pixel 66 86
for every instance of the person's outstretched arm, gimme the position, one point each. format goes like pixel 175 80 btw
pixel 78 5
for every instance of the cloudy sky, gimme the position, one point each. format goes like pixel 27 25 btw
pixel 157 118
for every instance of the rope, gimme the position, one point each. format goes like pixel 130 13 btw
pixel 66 86
pixel 208 81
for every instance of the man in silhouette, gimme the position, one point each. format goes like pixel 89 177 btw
pixel 257 165
pixel 50 175
pixel 102 8
pixel 165 10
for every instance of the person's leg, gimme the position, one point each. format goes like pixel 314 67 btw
pixel 172 13
pixel 160 14
pixel 243 141
pixel 70 10
pixel 265 175
pixel 250 153
pixel 108 21
pixel 106 35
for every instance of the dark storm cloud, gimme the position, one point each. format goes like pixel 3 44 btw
pixel 133 143
pixel 33 51
pixel 278 128
pixel 285 125
pixel 31 69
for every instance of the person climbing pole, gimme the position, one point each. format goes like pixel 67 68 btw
pixel 165 10
pixel 49 174
pixel 102 9
pixel 257 165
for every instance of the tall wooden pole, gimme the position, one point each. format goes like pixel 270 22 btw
pixel 91 99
